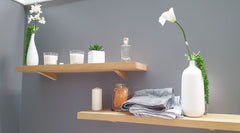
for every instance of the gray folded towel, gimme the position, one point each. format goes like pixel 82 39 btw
pixel 154 102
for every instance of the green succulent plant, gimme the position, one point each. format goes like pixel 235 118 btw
pixel 96 47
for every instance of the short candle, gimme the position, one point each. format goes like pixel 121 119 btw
pixel 76 58
pixel 50 58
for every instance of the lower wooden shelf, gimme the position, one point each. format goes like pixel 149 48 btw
pixel 209 121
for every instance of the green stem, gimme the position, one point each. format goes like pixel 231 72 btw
pixel 35 26
pixel 182 31
pixel 185 38
pixel 189 51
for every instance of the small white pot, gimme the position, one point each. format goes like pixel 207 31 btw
pixel 96 56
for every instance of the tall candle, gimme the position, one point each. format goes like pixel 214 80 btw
pixel 96 99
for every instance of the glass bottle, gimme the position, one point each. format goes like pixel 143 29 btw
pixel 125 50
pixel 120 95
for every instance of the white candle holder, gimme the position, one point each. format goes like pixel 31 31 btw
pixel 50 58
pixel 76 57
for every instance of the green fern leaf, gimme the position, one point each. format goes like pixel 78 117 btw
pixel 200 63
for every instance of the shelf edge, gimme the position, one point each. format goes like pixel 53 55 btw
pixel 206 122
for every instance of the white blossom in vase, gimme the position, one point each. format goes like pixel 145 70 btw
pixel 35 16
pixel 170 16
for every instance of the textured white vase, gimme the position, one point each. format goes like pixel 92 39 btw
pixel 96 56
pixel 192 92
pixel 32 54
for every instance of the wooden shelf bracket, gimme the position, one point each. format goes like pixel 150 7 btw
pixel 52 76
pixel 122 74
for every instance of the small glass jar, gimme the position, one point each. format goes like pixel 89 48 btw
pixel 76 57
pixel 50 58
pixel 120 95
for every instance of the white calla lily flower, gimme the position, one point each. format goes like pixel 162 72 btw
pixel 170 16
pixel 167 16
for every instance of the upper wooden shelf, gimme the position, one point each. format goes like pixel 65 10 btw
pixel 209 121
pixel 50 71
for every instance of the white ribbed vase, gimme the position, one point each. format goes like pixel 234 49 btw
pixel 32 54
pixel 192 92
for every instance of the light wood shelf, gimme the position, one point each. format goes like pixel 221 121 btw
pixel 209 121
pixel 50 71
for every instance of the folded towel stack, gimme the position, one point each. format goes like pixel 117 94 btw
pixel 154 103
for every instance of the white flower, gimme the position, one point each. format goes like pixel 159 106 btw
pixel 168 15
pixel 36 8
pixel 37 17
pixel 30 18
pixel 42 20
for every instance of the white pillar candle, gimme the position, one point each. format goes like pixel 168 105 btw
pixel 76 58
pixel 96 99
pixel 50 59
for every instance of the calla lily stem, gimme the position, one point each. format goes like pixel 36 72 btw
pixel 188 49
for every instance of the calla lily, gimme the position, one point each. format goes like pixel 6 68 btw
pixel 170 16
pixel 167 16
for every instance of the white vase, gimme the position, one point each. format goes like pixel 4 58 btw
pixel 192 92
pixel 32 54
pixel 96 56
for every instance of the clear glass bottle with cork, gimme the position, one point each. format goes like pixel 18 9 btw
pixel 125 50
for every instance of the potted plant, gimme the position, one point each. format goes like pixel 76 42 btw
pixel 96 54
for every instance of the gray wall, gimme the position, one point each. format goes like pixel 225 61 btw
pixel 211 27
pixel 11 45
